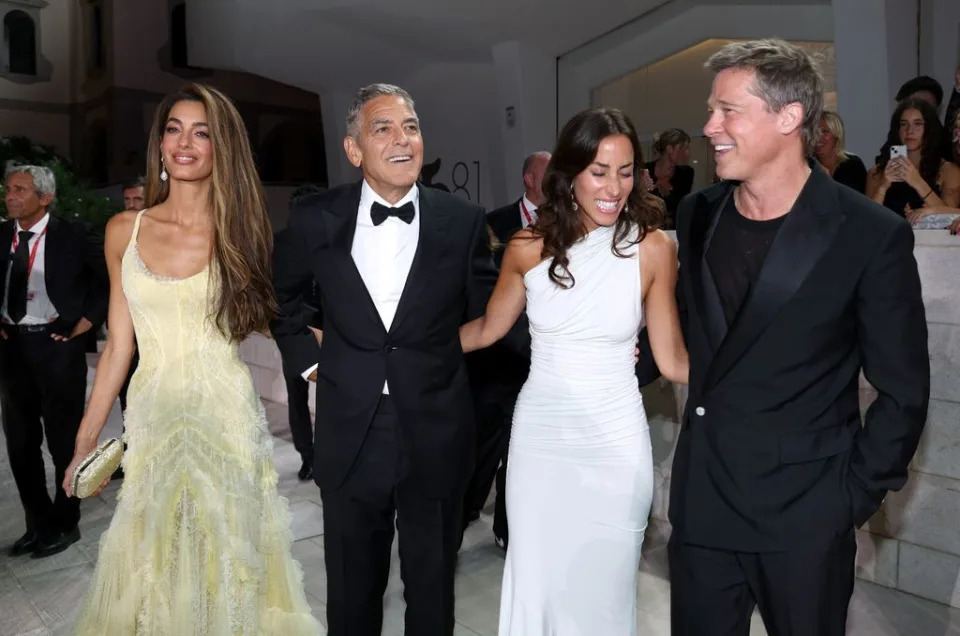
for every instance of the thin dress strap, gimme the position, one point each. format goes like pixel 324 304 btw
pixel 136 229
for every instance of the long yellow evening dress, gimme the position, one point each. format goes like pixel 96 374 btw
pixel 200 540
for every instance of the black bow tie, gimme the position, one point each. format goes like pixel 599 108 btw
pixel 379 212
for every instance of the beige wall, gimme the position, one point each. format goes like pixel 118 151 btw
pixel 55 45
pixel 672 93
pixel 45 128
pixel 141 33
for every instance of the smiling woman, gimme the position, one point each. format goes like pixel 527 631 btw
pixel 199 515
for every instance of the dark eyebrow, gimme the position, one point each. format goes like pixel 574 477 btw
pixel 198 123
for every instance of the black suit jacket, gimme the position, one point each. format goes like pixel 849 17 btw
pixel 75 272
pixel 771 453
pixel 420 356
pixel 505 222
pixel 502 366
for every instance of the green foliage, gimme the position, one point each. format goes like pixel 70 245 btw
pixel 74 200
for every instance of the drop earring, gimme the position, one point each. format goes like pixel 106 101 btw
pixel 163 170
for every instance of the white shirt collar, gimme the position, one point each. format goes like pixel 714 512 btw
pixel 38 227
pixel 368 197
pixel 529 204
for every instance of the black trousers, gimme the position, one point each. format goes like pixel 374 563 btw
pixel 42 392
pixel 298 413
pixel 359 520
pixel 494 412
pixel 802 592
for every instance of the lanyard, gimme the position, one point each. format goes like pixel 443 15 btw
pixel 526 214
pixel 33 250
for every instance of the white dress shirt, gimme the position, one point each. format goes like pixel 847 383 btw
pixel 40 309
pixel 531 209
pixel 384 254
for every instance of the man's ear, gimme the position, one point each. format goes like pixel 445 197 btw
pixel 790 118
pixel 353 151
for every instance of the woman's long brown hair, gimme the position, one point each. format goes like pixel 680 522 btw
pixel 559 223
pixel 242 237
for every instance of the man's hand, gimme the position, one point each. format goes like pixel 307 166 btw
pixel 313 376
pixel 3 334
pixel 82 327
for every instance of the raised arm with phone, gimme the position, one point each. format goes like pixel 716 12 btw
pixel 909 173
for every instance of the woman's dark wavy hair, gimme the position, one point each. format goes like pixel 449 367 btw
pixel 932 136
pixel 560 225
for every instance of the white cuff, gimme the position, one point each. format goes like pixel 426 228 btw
pixel 306 374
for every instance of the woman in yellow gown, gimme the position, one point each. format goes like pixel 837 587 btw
pixel 200 541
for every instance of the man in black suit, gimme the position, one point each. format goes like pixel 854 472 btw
pixel 53 286
pixel 298 390
pixel 497 373
pixel 506 221
pixel 789 285
pixel 398 268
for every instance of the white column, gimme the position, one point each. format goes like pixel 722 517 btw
pixel 333 107
pixel 940 43
pixel 527 103
pixel 876 52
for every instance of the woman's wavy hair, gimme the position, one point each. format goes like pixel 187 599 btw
pixel 560 224
pixel 932 135
pixel 242 238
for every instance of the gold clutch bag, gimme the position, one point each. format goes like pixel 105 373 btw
pixel 95 467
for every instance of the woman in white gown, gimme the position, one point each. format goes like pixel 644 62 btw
pixel 579 480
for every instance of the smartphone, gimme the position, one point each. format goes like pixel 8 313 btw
pixel 898 151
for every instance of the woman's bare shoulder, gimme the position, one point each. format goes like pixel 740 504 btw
pixel 525 249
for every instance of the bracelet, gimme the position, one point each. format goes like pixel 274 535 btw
pixel 927 194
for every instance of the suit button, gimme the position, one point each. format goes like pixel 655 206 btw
pixel 389 348
pixel 700 411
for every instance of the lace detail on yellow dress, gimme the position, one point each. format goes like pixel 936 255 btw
pixel 200 540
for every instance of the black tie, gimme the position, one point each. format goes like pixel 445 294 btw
pixel 379 213
pixel 17 295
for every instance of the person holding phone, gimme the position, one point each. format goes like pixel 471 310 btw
pixel 909 173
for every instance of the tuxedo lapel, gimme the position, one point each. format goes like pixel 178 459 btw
pixel 706 215
pixel 804 237
pixel 430 246
pixel 341 225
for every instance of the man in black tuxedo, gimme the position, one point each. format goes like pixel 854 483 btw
pixel 508 220
pixel 53 286
pixel 298 391
pixel 497 373
pixel 398 268
pixel 789 285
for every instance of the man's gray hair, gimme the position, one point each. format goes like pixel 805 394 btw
pixel 531 158
pixel 784 74
pixel 43 180
pixel 368 93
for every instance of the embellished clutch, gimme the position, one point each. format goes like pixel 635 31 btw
pixel 95 467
